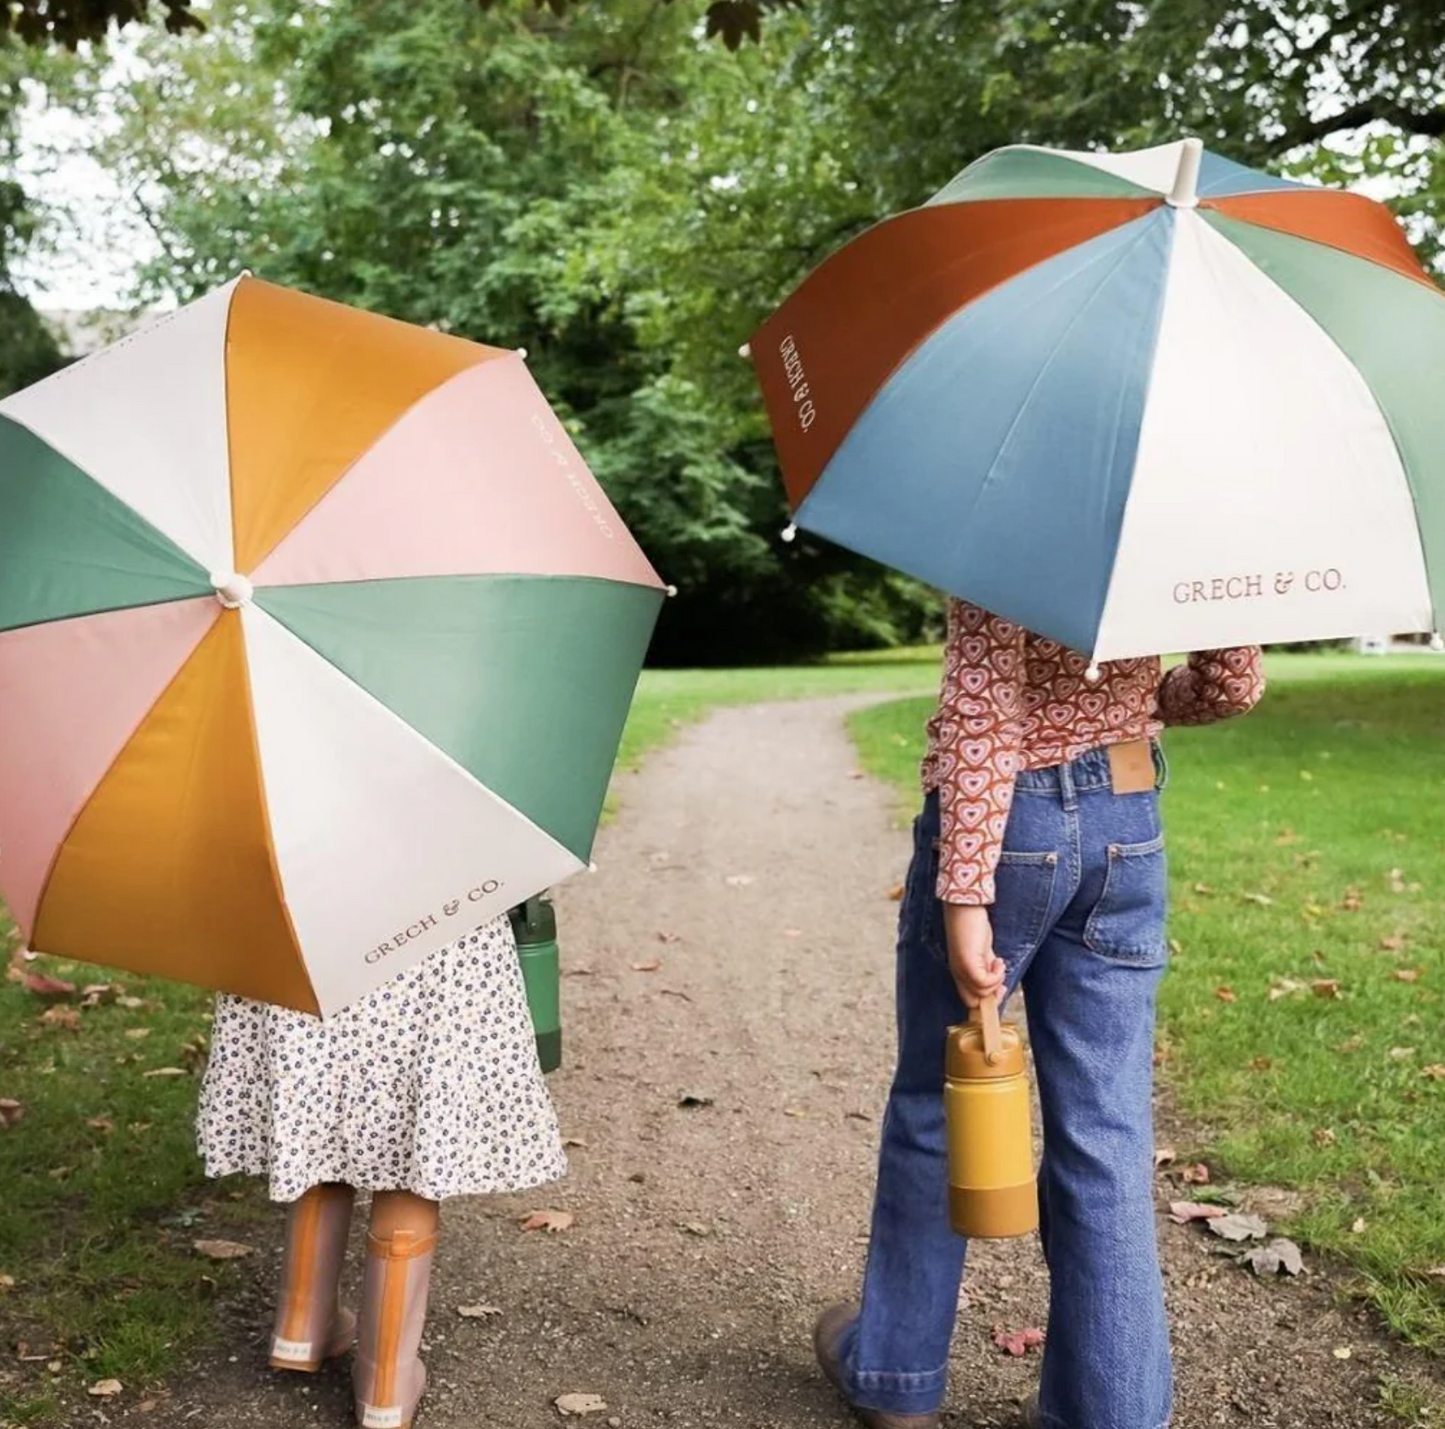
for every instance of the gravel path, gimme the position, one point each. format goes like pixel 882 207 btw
pixel 754 864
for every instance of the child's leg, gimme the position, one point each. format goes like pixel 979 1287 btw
pixel 896 1354
pixel 1091 1025
pixel 310 1324
pixel 388 1376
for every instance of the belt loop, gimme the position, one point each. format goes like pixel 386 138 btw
pixel 1067 788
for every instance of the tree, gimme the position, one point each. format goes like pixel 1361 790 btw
pixel 598 183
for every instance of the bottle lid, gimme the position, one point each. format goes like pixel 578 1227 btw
pixel 967 1062
pixel 535 921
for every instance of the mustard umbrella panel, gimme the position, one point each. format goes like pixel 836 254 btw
pixel 317 638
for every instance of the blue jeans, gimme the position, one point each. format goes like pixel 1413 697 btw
pixel 1080 923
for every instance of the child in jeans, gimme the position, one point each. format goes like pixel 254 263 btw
pixel 1038 861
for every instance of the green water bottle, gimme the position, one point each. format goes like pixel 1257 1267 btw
pixel 535 924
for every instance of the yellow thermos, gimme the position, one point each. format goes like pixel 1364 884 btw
pixel 991 1188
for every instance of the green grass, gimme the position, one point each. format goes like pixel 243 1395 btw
pixel 97 1221
pixel 1307 845
pixel 103 1195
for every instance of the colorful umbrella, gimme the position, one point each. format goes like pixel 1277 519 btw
pixel 1137 402
pixel 316 642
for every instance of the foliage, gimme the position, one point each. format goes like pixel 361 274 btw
pixel 73 22
pixel 600 184
pixel 1300 1020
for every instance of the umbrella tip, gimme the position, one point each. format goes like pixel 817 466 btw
pixel 745 351
pixel 1437 642
pixel 1185 193
pixel 1093 674
pixel 671 591
pixel 790 532
pixel 591 868
pixel 521 352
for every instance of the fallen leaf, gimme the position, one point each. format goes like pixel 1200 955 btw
pixel 1343 1352
pixel 1239 1225
pixel 694 1099
pixel 1225 994
pixel 1351 1044
pixel 478 1312
pixel 1399 1054
pixel 65 1019
pixel 576 1141
pixel 553 1222
pixel 42 986
pixel 1263 899
pixel 1285 987
pixel 579 1404
pixel 1435 1071
pixel 1196 1175
pixel 10 1112
pixel 1358 1228
pixel 1204 890
pixel 1262 1064
pixel 1393 943
pixel 1278 1255
pixel 739 880
pixel 896 893
pixel 795 1111
pixel 60 1173
pixel 1436 1272
pixel 223 1249
pixel 1328 987
pixel 130 1003
pixel 7 1282
pixel 165 1072
pixel 146 1406
pixel 669 938
pixel 1182 1212
pixel 55 1366
pixel 648 967
pixel 1018 1342
pixel 93 994
pixel 1407 974
pixel 695 1228
pixel 1323 1136
pixel 136 1033
pixel 1397 880
pixel 105 1389
pixel 1353 900
pixel 1163 1156
pixel 100 1123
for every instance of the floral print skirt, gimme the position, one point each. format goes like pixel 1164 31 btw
pixel 430 1084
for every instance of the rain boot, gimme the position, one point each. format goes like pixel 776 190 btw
pixel 388 1377
pixel 310 1324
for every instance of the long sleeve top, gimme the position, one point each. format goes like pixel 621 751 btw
pixel 1012 700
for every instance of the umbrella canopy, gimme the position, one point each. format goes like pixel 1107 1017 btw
pixel 1137 402
pixel 316 642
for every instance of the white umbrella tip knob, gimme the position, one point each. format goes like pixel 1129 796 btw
pixel 232 590
pixel 591 868
pixel 522 353
pixel 790 532
pixel 1093 674
pixel 671 591
pixel 1437 642
pixel 745 351
pixel 1185 192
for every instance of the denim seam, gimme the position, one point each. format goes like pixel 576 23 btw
pixel 914 1380
pixel 1050 1421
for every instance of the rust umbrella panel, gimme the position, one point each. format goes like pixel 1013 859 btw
pixel 316 642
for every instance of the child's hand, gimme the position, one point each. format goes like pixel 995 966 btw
pixel 978 973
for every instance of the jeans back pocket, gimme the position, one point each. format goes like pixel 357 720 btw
pixel 1129 921
pixel 1025 893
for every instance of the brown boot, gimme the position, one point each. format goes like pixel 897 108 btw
pixel 827 1338
pixel 388 1377
pixel 310 1324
